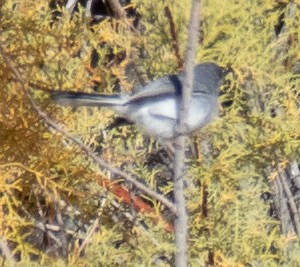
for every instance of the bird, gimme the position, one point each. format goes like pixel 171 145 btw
pixel 154 108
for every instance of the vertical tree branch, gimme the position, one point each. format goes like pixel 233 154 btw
pixel 174 37
pixel 181 222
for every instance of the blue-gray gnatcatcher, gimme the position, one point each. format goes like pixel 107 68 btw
pixel 154 107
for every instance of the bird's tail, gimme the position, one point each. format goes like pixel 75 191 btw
pixel 85 99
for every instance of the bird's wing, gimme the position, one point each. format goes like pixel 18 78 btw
pixel 168 85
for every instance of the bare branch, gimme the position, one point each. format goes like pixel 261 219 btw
pixel 88 237
pixel 174 37
pixel 100 161
pixel 182 217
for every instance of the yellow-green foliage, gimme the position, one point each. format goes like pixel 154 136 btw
pixel 41 173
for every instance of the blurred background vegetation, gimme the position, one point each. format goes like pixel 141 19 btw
pixel 59 208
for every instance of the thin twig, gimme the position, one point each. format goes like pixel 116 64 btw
pixel 100 161
pixel 88 237
pixel 182 217
pixel 174 37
